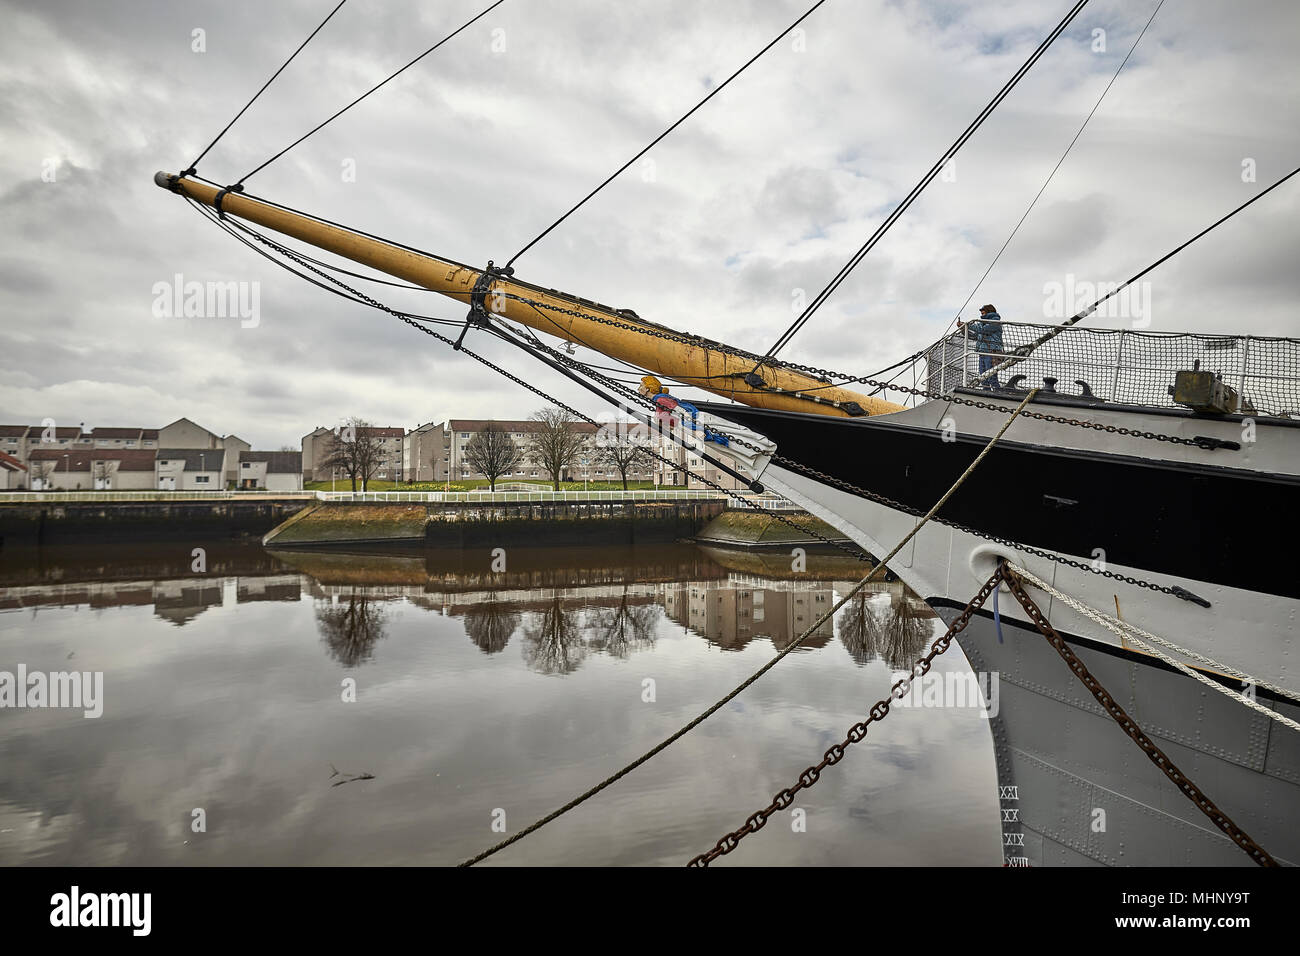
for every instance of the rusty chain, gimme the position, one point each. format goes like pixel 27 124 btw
pixel 784 798
pixel 1130 727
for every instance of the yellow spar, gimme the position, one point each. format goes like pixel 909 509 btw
pixel 705 365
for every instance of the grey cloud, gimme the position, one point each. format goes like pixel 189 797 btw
pixel 469 154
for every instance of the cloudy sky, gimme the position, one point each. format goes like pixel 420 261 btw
pixel 766 191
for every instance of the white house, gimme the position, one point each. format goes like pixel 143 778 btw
pixel 271 470
pixel 190 469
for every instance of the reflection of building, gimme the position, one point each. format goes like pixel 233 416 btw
pixel 732 615
pixel 182 601
pixel 178 600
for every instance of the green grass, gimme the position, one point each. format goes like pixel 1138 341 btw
pixel 476 484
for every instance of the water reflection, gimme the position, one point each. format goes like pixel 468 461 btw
pixel 351 627
pixel 490 625
pixel 886 622
pixel 627 627
pixel 553 641
pixel 244 714
pixel 560 611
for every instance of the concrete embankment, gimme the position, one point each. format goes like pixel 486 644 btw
pixel 439 524
pixel 751 529
pixel 46 522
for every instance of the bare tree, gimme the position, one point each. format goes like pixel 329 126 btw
pixel 553 642
pixel 41 471
pixel 491 624
pixel 351 628
pixel 621 448
pixel 896 629
pixel 493 453
pixel 356 451
pixel 104 471
pixel 555 443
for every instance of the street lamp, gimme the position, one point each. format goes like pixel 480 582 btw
pixel 67 470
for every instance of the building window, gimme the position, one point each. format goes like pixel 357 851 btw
pixel 201 479
pixel 464 434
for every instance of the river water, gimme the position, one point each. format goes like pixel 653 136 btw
pixel 297 708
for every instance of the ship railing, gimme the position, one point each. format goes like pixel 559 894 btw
pixel 1124 366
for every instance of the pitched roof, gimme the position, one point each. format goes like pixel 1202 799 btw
pixel 116 432
pixel 66 431
pixel 10 463
pixel 196 459
pixel 277 462
pixel 128 459
pixel 13 431
pixel 77 459
pixel 374 431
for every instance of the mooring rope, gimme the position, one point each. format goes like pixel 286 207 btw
pixel 1146 640
pixel 1130 727
pixel 618 775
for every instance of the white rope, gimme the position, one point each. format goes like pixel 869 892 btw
pixel 1145 640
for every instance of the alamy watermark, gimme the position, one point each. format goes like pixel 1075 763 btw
pixel 952 689
pixel 179 299
pixel 81 690
pixel 1062 300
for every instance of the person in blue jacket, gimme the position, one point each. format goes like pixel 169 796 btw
pixel 986 339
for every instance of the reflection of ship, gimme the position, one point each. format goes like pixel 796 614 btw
pixel 1077 790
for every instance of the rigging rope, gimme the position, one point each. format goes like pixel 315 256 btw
pixel 685 116
pixel 736 691
pixel 1024 351
pixel 858 732
pixel 1130 727
pixel 1048 180
pixel 1145 640
pixel 192 166
pixel 381 83
pixel 902 207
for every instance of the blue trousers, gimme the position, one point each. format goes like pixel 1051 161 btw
pixel 986 363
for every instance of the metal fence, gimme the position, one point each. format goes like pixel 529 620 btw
pixel 147 495
pixel 500 497
pixel 1123 365
pixel 368 496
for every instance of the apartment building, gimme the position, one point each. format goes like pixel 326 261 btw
pixel 91 469
pixel 318 443
pixel 457 433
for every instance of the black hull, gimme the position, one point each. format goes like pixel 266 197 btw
pixel 1223 525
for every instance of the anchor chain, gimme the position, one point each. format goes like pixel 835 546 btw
pixel 879 711
pixel 1130 727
